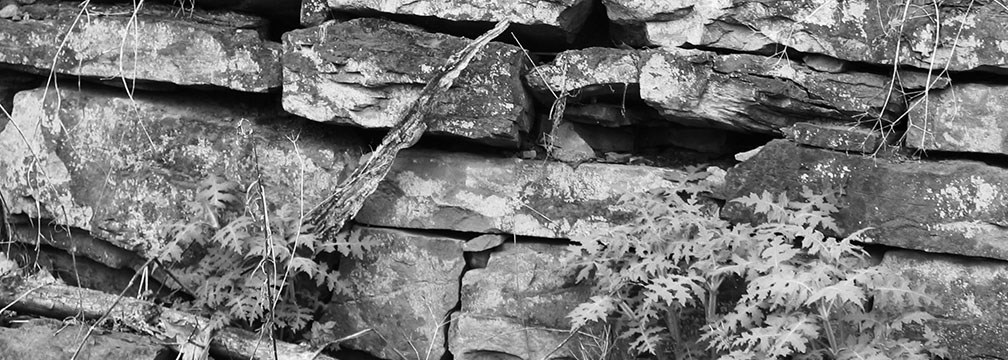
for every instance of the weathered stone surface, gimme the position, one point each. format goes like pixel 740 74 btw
pixel 437 190
pixel 836 136
pixel 402 289
pixel 123 169
pixel 566 144
pixel 966 118
pixel 484 242
pixel 554 16
pixel 740 92
pixel 366 72
pixel 970 35
pixel 44 339
pixel 972 320
pixel 516 307
pixel 314 12
pixel 955 207
pixel 10 83
pixel 206 48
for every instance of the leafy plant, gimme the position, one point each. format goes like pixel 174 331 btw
pixel 246 259
pixel 806 295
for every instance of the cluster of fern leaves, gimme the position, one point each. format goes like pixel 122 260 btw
pixel 244 257
pixel 806 295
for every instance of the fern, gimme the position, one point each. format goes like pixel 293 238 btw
pixel 806 295
pixel 246 267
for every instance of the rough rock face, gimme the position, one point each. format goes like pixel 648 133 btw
pixel 836 136
pixel 966 118
pixel 516 307
pixel 49 339
pixel 971 34
pixel 971 321
pixel 561 16
pixel 10 83
pixel 740 92
pixel 122 170
pixel 208 48
pixel 402 289
pixel 955 207
pixel 367 71
pixel 465 192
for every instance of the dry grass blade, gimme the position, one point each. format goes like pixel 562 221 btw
pixel 329 216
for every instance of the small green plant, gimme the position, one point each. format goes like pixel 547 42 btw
pixel 247 259
pixel 806 295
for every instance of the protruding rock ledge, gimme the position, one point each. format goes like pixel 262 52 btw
pixel 972 320
pixel 560 18
pixel 465 192
pixel 955 207
pixel 122 169
pixel 972 34
pixel 203 48
pixel 368 71
pixel 739 92
pixel 962 118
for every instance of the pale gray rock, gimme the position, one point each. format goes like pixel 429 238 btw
pixel 971 319
pixel 963 118
pixel 971 34
pixel 206 48
pixel 366 72
pixel 954 207
pixel 123 169
pixel 402 289
pixel 516 307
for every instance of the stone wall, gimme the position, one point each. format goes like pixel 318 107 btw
pixel 111 117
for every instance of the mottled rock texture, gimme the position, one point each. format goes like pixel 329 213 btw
pixel 837 137
pixel 963 118
pixel 738 92
pixel 206 48
pixel 516 307
pixel 973 296
pixel 402 289
pixel 557 16
pixel 955 207
pixel 467 192
pixel 50 339
pixel 366 72
pixel 123 169
pixel 970 34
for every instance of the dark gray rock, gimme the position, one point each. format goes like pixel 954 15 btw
pixel 837 137
pixel 44 339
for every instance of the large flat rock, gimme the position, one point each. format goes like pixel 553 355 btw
pixel 970 34
pixel 963 118
pixel 122 169
pixel 465 192
pixel 204 48
pixel 46 339
pixel 516 307
pixel 402 289
pixel 738 92
pixel 955 207
pixel 366 72
pixel 563 17
pixel 972 318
